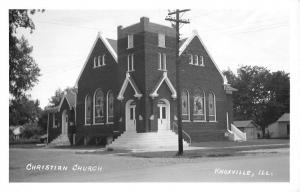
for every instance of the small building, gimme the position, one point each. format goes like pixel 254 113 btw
pixel 16 132
pixel 61 120
pixel 280 128
pixel 252 130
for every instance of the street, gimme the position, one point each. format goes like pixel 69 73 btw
pixel 69 165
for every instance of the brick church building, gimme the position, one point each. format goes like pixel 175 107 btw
pixel 126 94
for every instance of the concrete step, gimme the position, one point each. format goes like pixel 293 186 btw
pixel 61 140
pixel 145 141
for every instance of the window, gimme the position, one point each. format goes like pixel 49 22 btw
pixel 162 61
pixel 98 106
pixel 110 107
pixel 191 59
pixel 161 40
pixel 201 61
pixel 130 62
pixel 185 105
pixel 130 41
pixel 54 120
pixel 88 109
pixel 196 60
pixel 103 60
pixel 99 61
pixel 95 61
pixel 211 107
pixel 199 106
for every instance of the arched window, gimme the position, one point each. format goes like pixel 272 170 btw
pixel 185 105
pixel 199 106
pixel 211 106
pixel 88 109
pixel 98 106
pixel 110 107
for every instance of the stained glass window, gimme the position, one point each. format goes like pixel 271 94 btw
pixel 99 107
pixel 110 106
pixel 199 105
pixel 211 107
pixel 88 109
pixel 185 105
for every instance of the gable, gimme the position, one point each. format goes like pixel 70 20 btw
pixel 108 48
pixel 194 45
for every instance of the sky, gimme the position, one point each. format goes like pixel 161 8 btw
pixel 234 37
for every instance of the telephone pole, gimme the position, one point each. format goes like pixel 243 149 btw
pixel 177 20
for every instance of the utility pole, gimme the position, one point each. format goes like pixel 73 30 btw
pixel 178 21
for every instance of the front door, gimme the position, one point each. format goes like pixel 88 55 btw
pixel 64 123
pixel 163 119
pixel 130 116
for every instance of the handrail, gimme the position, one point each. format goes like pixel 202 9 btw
pixel 185 133
pixel 238 132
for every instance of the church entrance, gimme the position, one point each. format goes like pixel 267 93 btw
pixel 130 115
pixel 163 119
pixel 64 123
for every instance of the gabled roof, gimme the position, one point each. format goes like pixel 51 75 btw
pixel 128 79
pixel 113 43
pixel 284 118
pixel 109 44
pixel 246 123
pixel 163 78
pixel 185 43
pixel 70 98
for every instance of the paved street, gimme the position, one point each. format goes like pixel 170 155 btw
pixel 61 165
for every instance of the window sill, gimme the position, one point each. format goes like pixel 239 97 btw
pixel 129 48
pixel 162 46
pixel 212 121
pixel 200 121
pixel 130 71
pixel 164 70
pixel 187 121
pixel 98 123
pixel 109 123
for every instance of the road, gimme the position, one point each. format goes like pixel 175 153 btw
pixel 253 167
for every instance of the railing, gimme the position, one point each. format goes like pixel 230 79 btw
pixel 242 136
pixel 185 133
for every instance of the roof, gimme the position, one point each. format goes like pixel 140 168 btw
pixel 113 43
pixel 182 42
pixel 71 100
pixel 186 42
pixel 109 44
pixel 163 78
pixel 246 123
pixel 284 118
pixel 128 79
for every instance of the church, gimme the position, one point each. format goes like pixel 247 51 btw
pixel 125 94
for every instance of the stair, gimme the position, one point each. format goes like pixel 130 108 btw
pixel 61 140
pixel 149 141
pixel 236 134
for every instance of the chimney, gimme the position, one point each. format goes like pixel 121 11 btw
pixel 144 21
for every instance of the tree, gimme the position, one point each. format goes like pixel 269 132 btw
pixel 23 111
pixel 23 70
pixel 262 96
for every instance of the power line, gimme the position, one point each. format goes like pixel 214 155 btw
pixel 177 20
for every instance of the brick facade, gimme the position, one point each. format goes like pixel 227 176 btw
pixel 146 76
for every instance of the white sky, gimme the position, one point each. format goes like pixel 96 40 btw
pixel 234 37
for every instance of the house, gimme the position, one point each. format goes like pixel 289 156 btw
pixel 126 91
pixel 16 132
pixel 280 128
pixel 252 130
